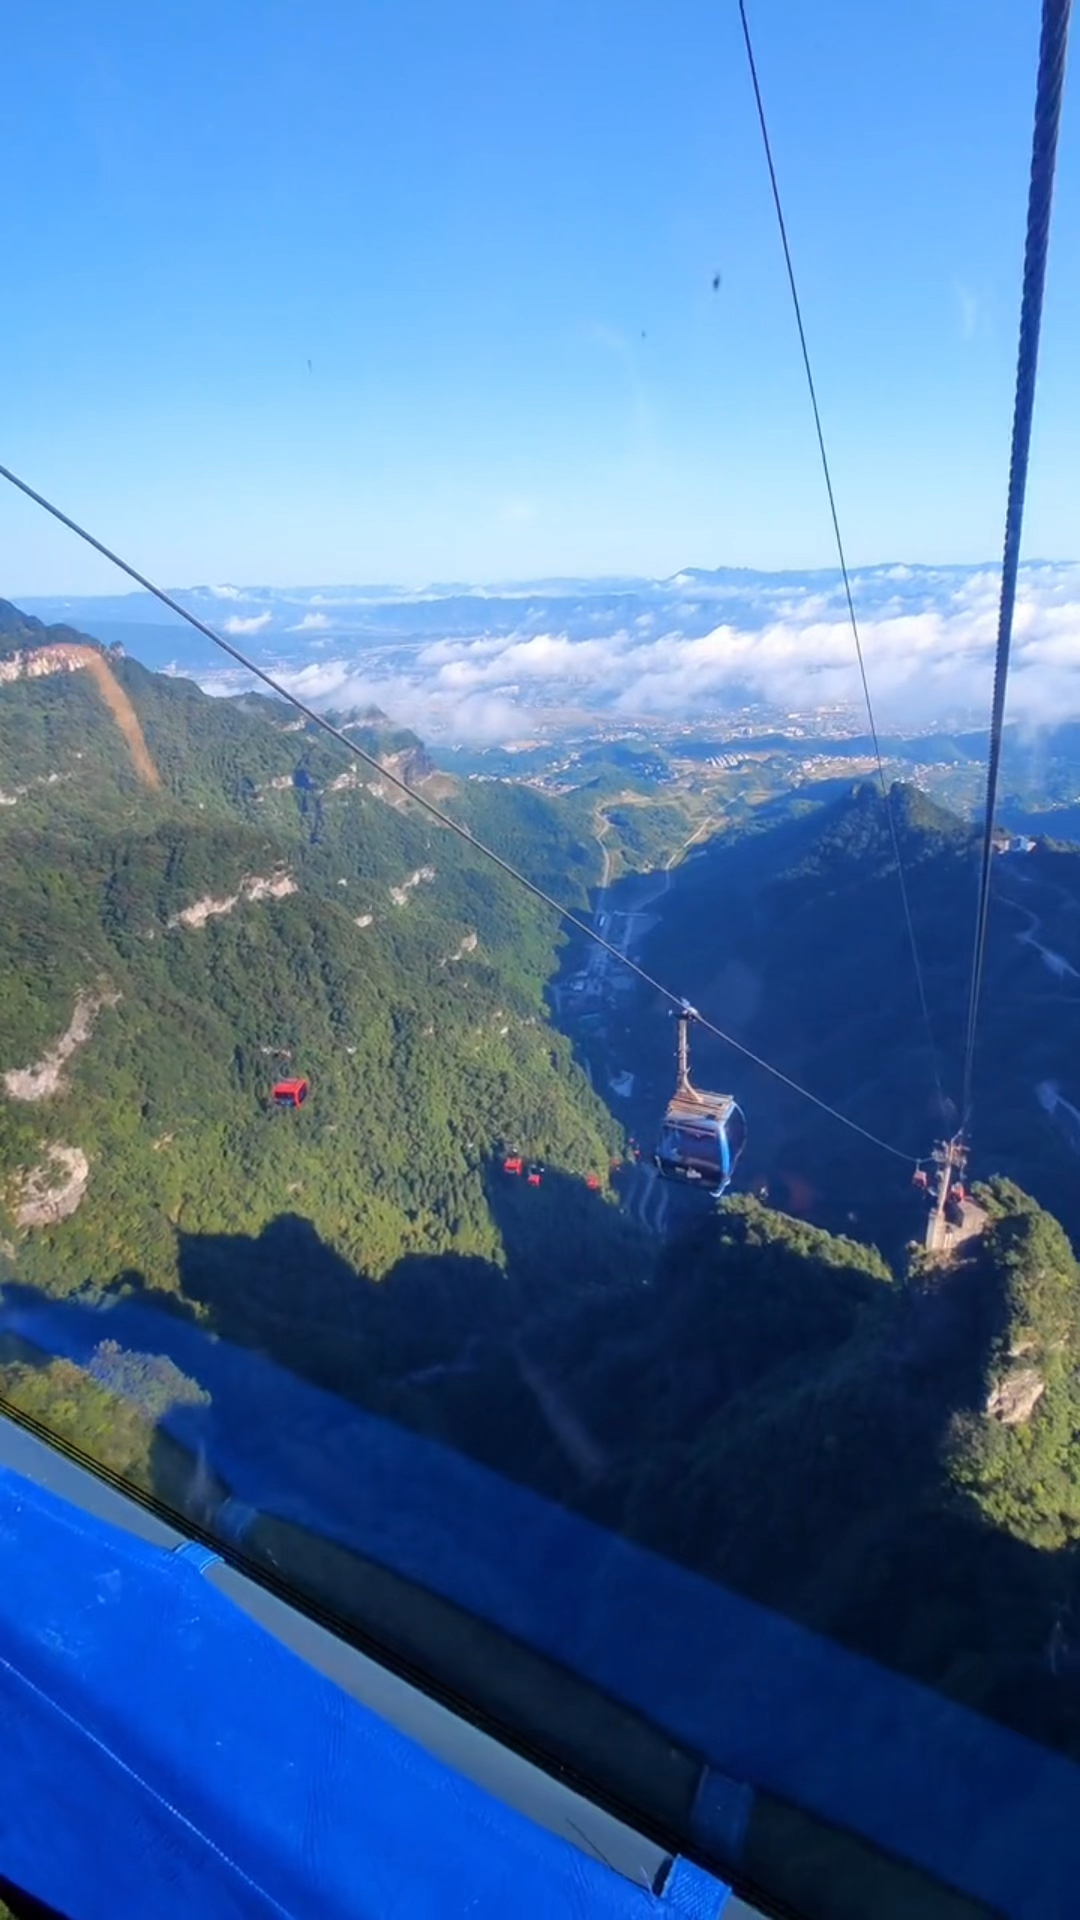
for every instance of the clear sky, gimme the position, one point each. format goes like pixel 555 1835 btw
pixel 492 230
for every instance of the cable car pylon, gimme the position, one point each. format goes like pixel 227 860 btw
pixel 953 1216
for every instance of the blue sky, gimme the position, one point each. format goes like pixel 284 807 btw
pixel 492 230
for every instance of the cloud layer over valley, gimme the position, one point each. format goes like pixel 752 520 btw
pixel 471 663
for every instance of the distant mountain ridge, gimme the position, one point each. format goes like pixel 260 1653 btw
pixel 692 600
pixel 471 661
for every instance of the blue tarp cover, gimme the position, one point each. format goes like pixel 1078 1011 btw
pixel 757 1696
pixel 163 1757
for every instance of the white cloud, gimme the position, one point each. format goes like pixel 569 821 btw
pixel 702 644
pixel 437 712
pixel 926 656
pixel 255 623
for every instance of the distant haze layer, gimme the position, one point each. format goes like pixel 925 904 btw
pixel 462 662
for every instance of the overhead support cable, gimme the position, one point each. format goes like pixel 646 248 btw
pixel 1048 93
pixel 429 806
pixel 841 556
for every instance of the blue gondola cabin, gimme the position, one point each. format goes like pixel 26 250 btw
pixel 702 1134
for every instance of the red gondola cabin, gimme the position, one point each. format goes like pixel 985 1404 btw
pixel 290 1093
pixel 513 1163
pixel 592 1181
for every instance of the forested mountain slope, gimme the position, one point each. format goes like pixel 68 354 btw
pixel 793 938
pixel 200 896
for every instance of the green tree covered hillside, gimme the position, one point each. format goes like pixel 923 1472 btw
pixel 264 906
